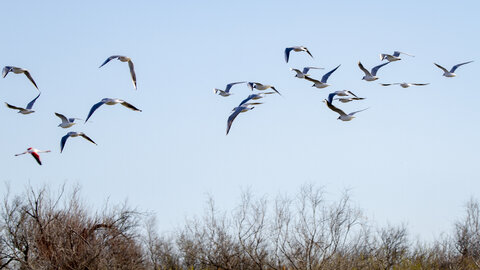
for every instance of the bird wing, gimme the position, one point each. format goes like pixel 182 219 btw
pixel 132 73
pixel 351 93
pixel 93 109
pixel 335 109
pixel 325 77
pixel 397 54
pixel 36 157
pixel 63 118
pixel 312 80
pixel 251 85
pixel 109 59
pixel 298 71
pixel 420 84
pixel 458 65
pixel 275 90
pixel 130 106
pixel 287 53
pixel 247 99
pixel 30 78
pixel 375 69
pixel 387 84
pixel 30 104
pixel 352 113
pixel 367 73
pixel 63 141
pixel 442 68
pixel 14 107
pixel 308 52
pixel 229 86
pixel 6 70
pixel 331 96
pixel 233 116
pixel 87 138
pixel 307 69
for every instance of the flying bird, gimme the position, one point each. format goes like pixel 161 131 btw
pixel 302 74
pixel 73 134
pixel 260 86
pixel 226 92
pixel 348 99
pixel 404 84
pixel 295 49
pixel 342 93
pixel 343 116
pixel 323 82
pixel 110 101
pixel 35 154
pixel 66 122
pixel 394 57
pixel 18 70
pixel 451 73
pixel 237 110
pixel 373 75
pixel 255 97
pixel 27 110
pixel 245 106
pixel 130 65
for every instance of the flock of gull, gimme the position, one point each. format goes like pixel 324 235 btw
pixel 344 96
pixel 246 105
pixel 69 122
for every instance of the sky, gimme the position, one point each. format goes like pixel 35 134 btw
pixel 411 158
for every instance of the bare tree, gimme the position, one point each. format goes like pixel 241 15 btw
pixel 160 250
pixel 38 233
pixel 467 234
pixel 393 245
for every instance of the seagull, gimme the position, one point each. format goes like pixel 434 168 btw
pixel 226 92
pixel 370 76
pixel 345 100
pixel 239 109
pixel 18 70
pixel 343 116
pixel 35 154
pixel 130 65
pixel 255 97
pixel 404 84
pixel 323 82
pixel 73 134
pixel 260 86
pixel 110 101
pixel 394 57
pixel 342 93
pixel 246 105
pixel 451 73
pixel 27 110
pixel 302 74
pixel 66 122
pixel 295 49
pixel 234 115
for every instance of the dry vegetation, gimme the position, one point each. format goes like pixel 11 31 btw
pixel 43 230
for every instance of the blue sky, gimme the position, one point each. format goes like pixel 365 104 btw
pixel 412 157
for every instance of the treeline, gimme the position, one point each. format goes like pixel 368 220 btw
pixel 40 229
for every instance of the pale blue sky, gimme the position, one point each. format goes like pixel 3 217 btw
pixel 412 157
